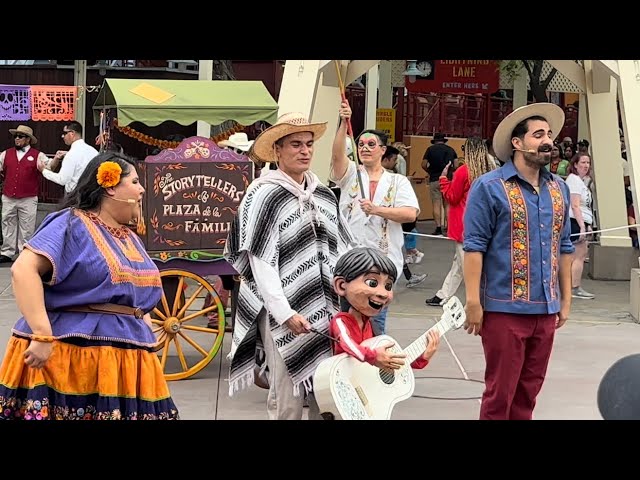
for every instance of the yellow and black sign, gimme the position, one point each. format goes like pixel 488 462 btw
pixel 386 121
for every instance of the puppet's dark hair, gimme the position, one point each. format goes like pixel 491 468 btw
pixel 359 261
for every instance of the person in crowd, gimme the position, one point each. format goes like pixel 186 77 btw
pixel 375 202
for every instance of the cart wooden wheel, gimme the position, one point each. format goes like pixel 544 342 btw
pixel 178 320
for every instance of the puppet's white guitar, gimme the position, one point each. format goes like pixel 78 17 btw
pixel 348 389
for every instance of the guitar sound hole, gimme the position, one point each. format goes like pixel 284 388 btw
pixel 387 376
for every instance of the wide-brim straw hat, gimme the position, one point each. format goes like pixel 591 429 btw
pixel 287 124
pixel 25 131
pixel 552 113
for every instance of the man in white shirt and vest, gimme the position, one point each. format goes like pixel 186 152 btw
pixel 20 167
pixel 75 160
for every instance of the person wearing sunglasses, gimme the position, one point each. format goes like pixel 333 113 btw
pixel 75 159
pixel 20 166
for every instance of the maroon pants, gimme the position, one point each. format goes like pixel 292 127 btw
pixel 516 350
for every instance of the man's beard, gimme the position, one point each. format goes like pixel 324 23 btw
pixel 540 159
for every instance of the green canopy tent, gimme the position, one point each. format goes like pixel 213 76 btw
pixel 185 101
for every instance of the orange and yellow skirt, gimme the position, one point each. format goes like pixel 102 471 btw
pixel 84 380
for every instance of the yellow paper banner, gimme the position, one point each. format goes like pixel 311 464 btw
pixel 152 93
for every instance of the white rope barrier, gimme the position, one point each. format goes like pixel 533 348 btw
pixel 442 237
pixel 609 229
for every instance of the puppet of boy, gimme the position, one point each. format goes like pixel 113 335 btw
pixel 364 278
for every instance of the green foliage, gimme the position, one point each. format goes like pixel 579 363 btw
pixel 511 68
pixel 537 85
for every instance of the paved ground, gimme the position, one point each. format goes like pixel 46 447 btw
pixel 599 332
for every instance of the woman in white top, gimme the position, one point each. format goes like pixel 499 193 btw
pixel 377 214
pixel 581 215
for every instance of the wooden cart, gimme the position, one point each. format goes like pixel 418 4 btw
pixel 192 193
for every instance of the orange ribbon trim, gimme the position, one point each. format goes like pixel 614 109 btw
pixel 155 142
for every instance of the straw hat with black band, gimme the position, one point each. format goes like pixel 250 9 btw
pixel 551 112
pixel 24 130
pixel 287 124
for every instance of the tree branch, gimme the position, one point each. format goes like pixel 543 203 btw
pixel 527 67
pixel 547 80
pixel 223 70
pixel 537 68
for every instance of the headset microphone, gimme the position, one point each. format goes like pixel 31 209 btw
pixel 526 151
pixel 128 200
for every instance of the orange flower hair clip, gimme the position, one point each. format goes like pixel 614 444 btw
pixel 109 174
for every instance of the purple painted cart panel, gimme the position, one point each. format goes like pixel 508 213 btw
pixel 192 195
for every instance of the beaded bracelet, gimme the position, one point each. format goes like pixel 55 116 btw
pixel 42 338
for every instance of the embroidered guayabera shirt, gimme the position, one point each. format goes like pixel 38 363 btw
pixel 521 233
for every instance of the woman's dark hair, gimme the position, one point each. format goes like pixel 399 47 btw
pixel 390 152
pixel 560 149
pixel 116 147
pixel 573 152
pixel 88 194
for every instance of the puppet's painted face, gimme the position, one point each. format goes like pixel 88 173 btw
pixel 369 293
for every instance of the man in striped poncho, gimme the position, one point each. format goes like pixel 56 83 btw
pixel 285 242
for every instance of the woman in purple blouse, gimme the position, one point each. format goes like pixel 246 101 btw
pixel 85 286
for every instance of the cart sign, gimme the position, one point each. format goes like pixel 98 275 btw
pixel 456 76
pixel 193 195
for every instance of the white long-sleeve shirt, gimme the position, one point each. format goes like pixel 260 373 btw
pixel 270 287
pixel 73 164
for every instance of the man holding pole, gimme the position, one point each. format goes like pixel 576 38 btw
pixel 376 212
